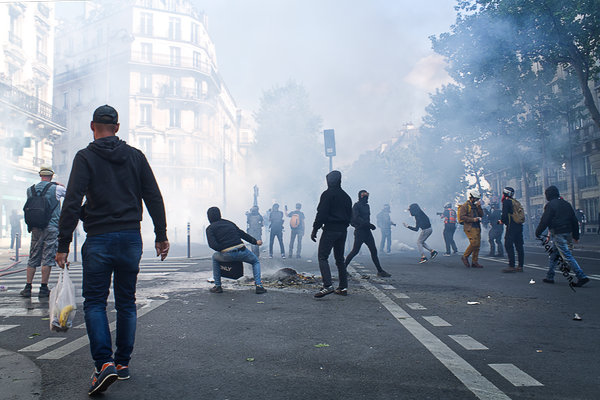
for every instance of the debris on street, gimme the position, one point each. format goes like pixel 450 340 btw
pixel 576 317
pixel 321 345
pixel 471 303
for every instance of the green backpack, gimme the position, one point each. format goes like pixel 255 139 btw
pixel 518 214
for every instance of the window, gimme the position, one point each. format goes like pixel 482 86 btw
pixel 174 28
pixel 147 3
pixel 175 56
pixel 147 52
pixel 146 24
pixel 145 82
pixel 175 86
pixel 145 114
pixel 66 100
pixel 195 33
pixel 145 145
pixel 197 60
pixel 174 118
pixel 14 34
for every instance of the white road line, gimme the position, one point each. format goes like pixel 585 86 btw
pixel 84 341
pixel 535 266
pixel 400 295
pixel 436 321
pixel 7 327
pixel 388 287
pixel 468 342
pixel 22 312
pixel 514 375
pixel 469 376
pixel 415 306
pixel 43 344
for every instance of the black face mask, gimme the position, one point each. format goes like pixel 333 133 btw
pixel 364 199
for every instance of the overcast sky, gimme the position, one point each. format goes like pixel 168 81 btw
pixel 367 65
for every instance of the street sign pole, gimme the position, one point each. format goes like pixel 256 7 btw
pixel 329 139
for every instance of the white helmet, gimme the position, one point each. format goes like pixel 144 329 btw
pixel 475 194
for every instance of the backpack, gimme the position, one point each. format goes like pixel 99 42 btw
pixel 294 221
pixel 518 214
pixel 37 209
pixel 462 212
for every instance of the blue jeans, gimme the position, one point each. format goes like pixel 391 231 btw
pixel 561 250
pixel 243 255
pixel 103 255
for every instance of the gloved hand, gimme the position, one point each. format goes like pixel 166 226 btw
pixel 313 235
pixel 373 227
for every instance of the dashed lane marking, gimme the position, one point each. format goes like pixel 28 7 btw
pixel 415 306
pixel 400 295
pixel 388 287
pixel 468 342
pixel 22 312
pixel 535 266
pixel 43 344
pixel 436 321
pixel 514 375
pixel 84 341
pixel 7 327
pixel 469 376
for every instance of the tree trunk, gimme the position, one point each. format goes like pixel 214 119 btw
pixel 525 186
pixel 583 78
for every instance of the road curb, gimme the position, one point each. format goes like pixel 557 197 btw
pixel 20 378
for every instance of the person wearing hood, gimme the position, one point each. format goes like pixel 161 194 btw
pixel 384 222
pixel 361 221
pixel 560 220
pixel 421 222
pixel 470 215
pixel 114 178
pixel 334 214
pixel 255 223
pixel 297 229
pixel 225 238
pixel 513 216
pixel 276 226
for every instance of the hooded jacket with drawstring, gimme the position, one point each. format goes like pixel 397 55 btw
pixel 361 213
pixel 222 234
pixel 114 178
pixel 334 211
pixel 558 216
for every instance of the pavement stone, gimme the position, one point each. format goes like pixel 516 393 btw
pixel 20 378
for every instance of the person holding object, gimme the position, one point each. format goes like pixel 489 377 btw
pixel 421 222
pixel 513 216
pixel 226 239
pixel 115 178
pixel 470 215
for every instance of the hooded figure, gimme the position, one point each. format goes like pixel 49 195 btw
pixel 276 223
pixel 384 222
pixel 421 222
pixel 254 223
pixel 334 213
pixel 297 229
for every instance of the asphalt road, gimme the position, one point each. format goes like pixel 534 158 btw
pixel 412 336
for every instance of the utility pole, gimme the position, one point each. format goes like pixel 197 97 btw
pixel 329 136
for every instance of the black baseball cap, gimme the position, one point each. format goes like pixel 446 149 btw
pixel 106 115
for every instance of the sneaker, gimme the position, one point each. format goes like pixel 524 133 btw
pixel 44 292
pixel 423 260
pixel 446 254
pixel 102 379
pixel 476 265
pixel 581 282
pixel 383 274
pixel 519 269
pixel 546 280
pixel 509 270
pixel 283 256
pixel 26 292
pixel 270 255
pixel 216 289
pixel 433 254
pixel 341 291
pixel 465 261
pixel 123 372
pixel 324 292
pixel 260 290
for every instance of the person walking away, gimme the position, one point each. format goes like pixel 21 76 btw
pixel 334 214
pixel 226 239
pixel 361 221
pixel 421 222
pixel 15 229
pixel 384 222
pixel 297 229
pixel 560 220
pixel 114 178
pixel 42 211
pixel 255 223
pixel 276 225
pixel 582 221
pixel 513 216
pixel 449 218
pixel 496 231
pixel 469 215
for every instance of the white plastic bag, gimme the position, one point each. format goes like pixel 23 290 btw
pixel 62 303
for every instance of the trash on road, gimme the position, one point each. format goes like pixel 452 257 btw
pixel 260 302
pixel 210 280
pixel 531 282
pixel 538 351
pixel 250 359
pixel 471 303
pixel 322 345
pixel 33 335
pixel 2 288
pixel 576 317
pixel 286 277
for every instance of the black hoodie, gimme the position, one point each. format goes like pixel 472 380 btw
pixel 422 220
pixel 115 178
pixel 558 215
pixel 334 211
pixel 361 213
pixel 223 234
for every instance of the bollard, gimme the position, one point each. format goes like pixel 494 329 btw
pixel 17 246
pixel 188 240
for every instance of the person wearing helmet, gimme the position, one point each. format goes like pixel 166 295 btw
pixel 449 217
pixel 255 224
pixel 421 222
pixel 513 217
pixel 496 230
pixel 470 215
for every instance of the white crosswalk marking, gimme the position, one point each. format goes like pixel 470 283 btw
pixel 436 321
pixel 7 327
pixel 415 306
pixel 400 295
pixel 388 287
pixel 514 375
pixel 43 344
pixel 468 342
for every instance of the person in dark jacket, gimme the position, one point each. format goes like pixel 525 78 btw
pixel 449 217
pixel 276 226
pixel 560 220
pixel 496 230
pixel 421 222
pixel 384 222
pixel 334 214
pixel 114 178
pixel 255 224
pixel 297 229
pixel 361 221
pixel 225 238
pixel 513 239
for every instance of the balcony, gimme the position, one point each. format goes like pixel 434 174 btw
pixel 562 186
pixel 587 181
pixel 32 105
pixel 168 61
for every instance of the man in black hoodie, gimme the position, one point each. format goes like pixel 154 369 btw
pixel 560 220
pixel 421 222
pixel 361 221
pixel 115 178
pixel 334 213
pixel 226 239
pixel 276 226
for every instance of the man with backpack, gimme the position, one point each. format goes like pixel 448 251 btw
pixel 297 227
pixel 42 211
pixel 470 215
pixel 276 226
pixel 513 216
pixel 449 217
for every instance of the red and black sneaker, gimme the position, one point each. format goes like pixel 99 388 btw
pixel 123 372
pixel 102 379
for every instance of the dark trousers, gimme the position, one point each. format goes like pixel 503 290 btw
pixel 279 235
pixel 449 230
pixel 495 238
pixel 13 239
pixel 364 236
pixel 336 241
pixel 386 239
pixel 296 233
pixel 513 240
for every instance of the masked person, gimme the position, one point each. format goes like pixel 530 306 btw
pixel 384 222
pixel 470 215
pixel 496 230
pixel 254 222
pixel 297 229
pixel 334 214
pixel 276 226
pixel 449 217
pixel 513 216
pixel 421 222
pixel 361 221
